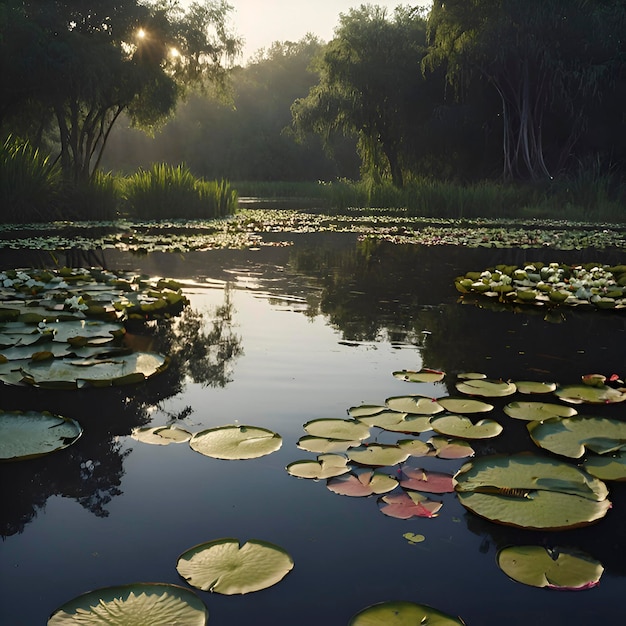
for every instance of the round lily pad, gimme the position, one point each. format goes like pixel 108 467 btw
pixel 464 405
pixel 579 394
pixel 607 467
pixel 26 435
pixel 486 388
pixel 419 405
pixel 128 605
pixel 418 479
pixel 366 410
pixel 416 447
pixel 326 466
pixel 236 442
pixel 538 411
pixel 532 387
pixel 337 429
pixel 223 566
pixel 407 505
pixel 555 568
pixel 402 614
pixel 572 436
pixel 322 445
pixel 362 483
pixel 378 455
pixel 463 427
pixel 451 448
pixel 424 375
pixel 161 435
pixel 529 491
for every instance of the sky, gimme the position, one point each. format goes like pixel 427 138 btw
pixel 261 22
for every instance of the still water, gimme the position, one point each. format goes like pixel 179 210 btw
pixel 276 337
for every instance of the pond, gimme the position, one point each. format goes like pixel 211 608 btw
pixel 276 337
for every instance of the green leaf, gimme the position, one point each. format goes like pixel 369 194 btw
pixel 451 448
pixel 326 466
pixel 487 388
pixel 161 435
pixel 128 605
pixel 223 566
pixel 349 430
pixel 464 405
pixel 403 614
pixel 322 445
pixel 537 411
pixel 236 442
pixel 366 410
pixel 607 467
pixel 33 434
pixel 463 427
pixel 572 436
pixel 422 376
pixel 418 405
pixel 556 568
pixel 531 387
pixel 416 447
pixel 408 504
pixel 378 455
pixel 362 483
pixel 412 538
pixel 578 394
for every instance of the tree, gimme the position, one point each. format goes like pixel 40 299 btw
pixel 548 61
pixel 371 86
pixel 86 62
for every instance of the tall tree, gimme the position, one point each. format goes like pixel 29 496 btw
pixel 85 62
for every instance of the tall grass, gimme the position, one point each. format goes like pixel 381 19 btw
pixel 97 199
pixel 30 183
pixel 165 191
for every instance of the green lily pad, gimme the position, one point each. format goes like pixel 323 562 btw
pixel 408 504
pixel 128 605
pixel 402 614
pixel 463 427
pixel 362 483
pixel 446 448
pixel 413 538
pixel 464 405
pixel 322 445
pixel 607 467
pixel 418 405
pixel 417 479
pixel 366 410
pixel 532 387
pixel 422 376
pixel 223 566
pixel 528 491
pixel 572 436
pixel 416 447
pixel 349 430
pixel 471 376
pixel 161 435
pixel 537 411
pixel 556 568
pixel 378 455
pixel 486 388
pixel 236 442
pixel 326 466
pixel 578 394
pixel 33 434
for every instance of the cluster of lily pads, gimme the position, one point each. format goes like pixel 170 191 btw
pixel 552 284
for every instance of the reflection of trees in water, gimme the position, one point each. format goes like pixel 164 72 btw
pixel 202 348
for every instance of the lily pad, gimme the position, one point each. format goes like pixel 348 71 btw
pixel 579 394
pixel 529 491
pixel 223 566
pixel 446 448
pixel 362 483
pixel 532 387
pixel 408 504
pixel 326 466
pixel 26 435
pixel 607 467
pixel 349 430
pixel 464 405
pixel 537 411
pixel 416 447
pixel 378 455
pixel 418 405
pixel 161 435
pixel 555 568
pixel 463 427
pixel 128 605
pixel 486 388
pixel 572 436
pixel 422 376
pixel 402 614
pixel 236 442
pixel 322 445
pixel 366 410
pixel 418 479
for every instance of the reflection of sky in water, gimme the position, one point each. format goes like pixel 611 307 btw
pixel 347 555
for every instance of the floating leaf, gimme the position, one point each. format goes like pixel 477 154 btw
pixel 321 445
pixel 528 491
pixel 223 566
pixel 349 430
pixel 161 435
pixel 531 387
pixel 607 467
pixel 419 405
pixel 32 434
pixel 430 482
pixel 555 568
pixel 415 447
pixel 236 442
pixel 362 482
pixel 129 605
pixel 378 455
pixel 422 376
pixel 571 436
pixel 464 405
pixel 487 388
pixel 366 410
pixel 451 448
pixel 537 411
pixel 471 375
pixel 402 614
pixel 463 427
pixel 326 466
pixel 578 394
pixel 412 538
pixel 407 505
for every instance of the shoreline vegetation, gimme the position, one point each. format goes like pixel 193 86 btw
pixel 32 190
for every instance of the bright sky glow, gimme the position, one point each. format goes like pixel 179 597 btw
pixel 261 22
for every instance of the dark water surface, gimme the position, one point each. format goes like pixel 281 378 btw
pixel 287 335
